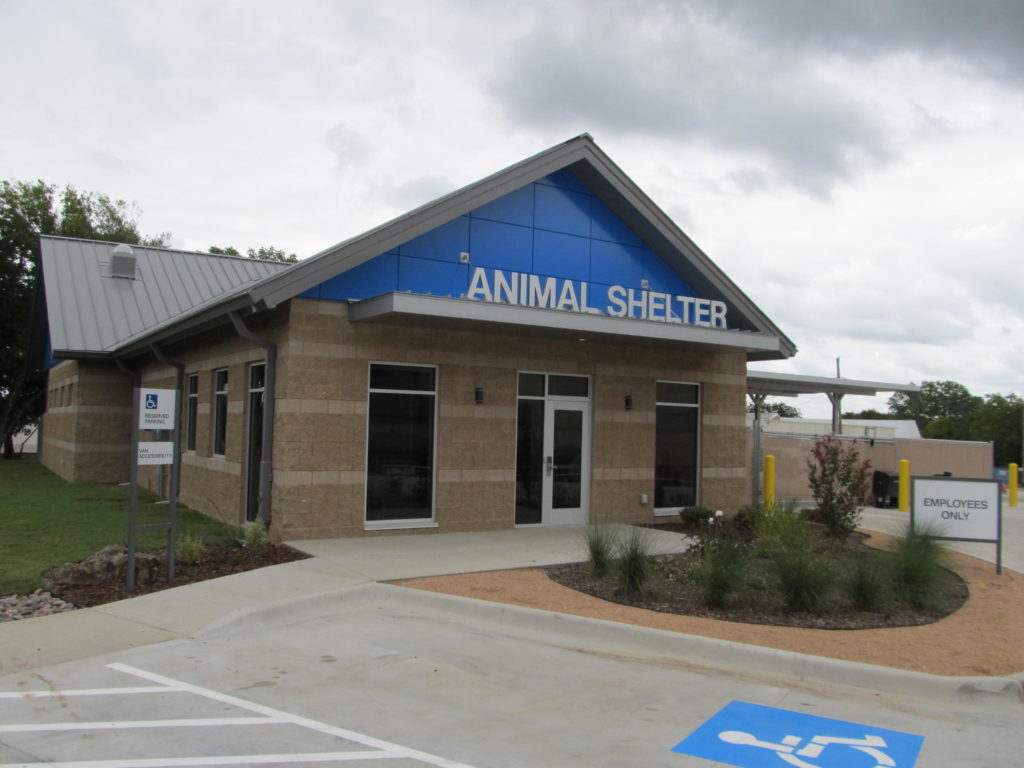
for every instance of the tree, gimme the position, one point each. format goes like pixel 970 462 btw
pixel 28 210
pixel 936 400
pixel 870 413
pixel 782 409
pixel 263 253
pixel 998 420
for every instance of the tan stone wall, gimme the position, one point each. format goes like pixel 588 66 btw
pixel 926 457
pixel 86 434
pixel 320 439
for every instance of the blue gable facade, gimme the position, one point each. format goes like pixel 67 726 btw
pixel 552 228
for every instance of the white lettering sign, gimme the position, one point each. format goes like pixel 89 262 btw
pixel 956 509
pixel 525 290
pixel 156 408
pixel 156 453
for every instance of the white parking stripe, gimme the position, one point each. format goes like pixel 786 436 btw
pixel 87 692
pixel 183 762
pixel 128 724
pixel 305 722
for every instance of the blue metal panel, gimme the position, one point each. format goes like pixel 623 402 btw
pixel 662 277
pixel 514 208
pixel 558 255
pixel 565 179
pixel 442 244
pixel 616 264
pixel 501 246
pixel 605 225
pixel 436 278
pixel 553 227
pixel 371 278
pixel 560 210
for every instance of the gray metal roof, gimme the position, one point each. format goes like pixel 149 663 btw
pixel 90 311
pixel 793 384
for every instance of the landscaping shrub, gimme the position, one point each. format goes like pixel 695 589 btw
pixel 917 567
pixel 189 549
pixel 720 571
pixel 600 540
pixel 694 517
pixel 866 584
pixel 779 522
pixel 840 483
pixel 634 563
pixel 804 578
pixel 255 537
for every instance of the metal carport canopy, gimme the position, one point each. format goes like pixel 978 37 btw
pixel 762 384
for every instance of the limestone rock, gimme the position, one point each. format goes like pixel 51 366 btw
pixel 107 566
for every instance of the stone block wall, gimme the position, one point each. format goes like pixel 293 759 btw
pixel 320 442
pixel 87 431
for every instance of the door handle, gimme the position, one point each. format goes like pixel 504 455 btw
pixel 549 464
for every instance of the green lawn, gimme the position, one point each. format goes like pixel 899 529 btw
pixel 45 521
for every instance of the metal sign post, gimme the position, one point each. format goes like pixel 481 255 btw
pixel 154 410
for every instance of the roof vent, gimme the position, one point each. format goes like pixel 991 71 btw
pixel 122 262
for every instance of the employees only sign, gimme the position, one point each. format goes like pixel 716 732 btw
pixel 955 508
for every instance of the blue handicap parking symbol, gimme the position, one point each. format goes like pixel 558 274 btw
pixel 151 399
pixel 753 736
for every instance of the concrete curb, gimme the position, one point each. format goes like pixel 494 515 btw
pixel 615 639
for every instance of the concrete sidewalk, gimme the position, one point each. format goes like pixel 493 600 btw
pixel 336 564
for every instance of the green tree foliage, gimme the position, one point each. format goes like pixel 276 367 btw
pixel 999 420
pixel 936 400
pixel 782 409
pixel 28 210
pixel 263 253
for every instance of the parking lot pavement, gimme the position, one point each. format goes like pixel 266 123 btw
pixel 356 679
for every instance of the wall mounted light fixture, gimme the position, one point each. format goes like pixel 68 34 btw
pixel 478 393
pixel 629 402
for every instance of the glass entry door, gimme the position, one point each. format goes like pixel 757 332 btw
pixel 552 452
pixel 566 463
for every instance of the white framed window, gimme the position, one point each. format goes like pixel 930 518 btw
pixel 220 411
pixel 401 445
pixel 677 446
pixel 191 410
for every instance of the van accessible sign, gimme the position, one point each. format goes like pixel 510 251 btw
pixel 525 290
pixel 958 509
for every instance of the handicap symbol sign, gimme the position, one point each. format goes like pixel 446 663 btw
pixel 755 736
pixel 151 401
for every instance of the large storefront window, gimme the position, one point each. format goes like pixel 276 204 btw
pixel 676 445
pixel 400 443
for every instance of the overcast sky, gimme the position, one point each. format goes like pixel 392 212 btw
pixel 855 167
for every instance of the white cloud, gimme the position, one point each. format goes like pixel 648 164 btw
pixel 854 167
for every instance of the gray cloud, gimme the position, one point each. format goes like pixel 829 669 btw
pixel 671 73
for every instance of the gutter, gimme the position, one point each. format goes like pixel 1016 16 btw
pixel 267 438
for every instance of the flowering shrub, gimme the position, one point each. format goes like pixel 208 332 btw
pixel 840 483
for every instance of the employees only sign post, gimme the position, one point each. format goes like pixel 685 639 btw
pixel 958 509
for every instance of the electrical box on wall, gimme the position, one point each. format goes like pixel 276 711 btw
pixel 643 498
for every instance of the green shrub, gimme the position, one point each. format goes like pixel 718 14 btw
pixel 255 537
pixel 779 522
pixel 720 571
pixel 600 541
pixel 634 563
pixel 839 481
pixel 804 578
pixel 866 584
pixel 694 517
pixel 917 567
pixel 189 549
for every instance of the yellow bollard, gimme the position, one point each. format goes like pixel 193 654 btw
pixel 904 485
pixel 769 480
pixel 1012 486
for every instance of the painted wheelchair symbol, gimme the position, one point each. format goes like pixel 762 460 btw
pixel 787 748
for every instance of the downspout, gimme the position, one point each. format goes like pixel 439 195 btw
pixel 267 438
